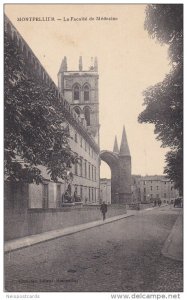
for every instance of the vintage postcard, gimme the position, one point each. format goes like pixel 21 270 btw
pixel 93 129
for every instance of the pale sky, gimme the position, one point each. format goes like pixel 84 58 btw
pixel 129 61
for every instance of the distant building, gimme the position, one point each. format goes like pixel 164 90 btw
pixel 105 190
pixel 148 188
pixel 135 188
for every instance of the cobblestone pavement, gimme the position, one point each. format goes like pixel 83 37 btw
pixel 123 256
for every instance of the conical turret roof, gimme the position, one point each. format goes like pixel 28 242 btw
pixel 63 66
pixel 124 148
pixel 116 148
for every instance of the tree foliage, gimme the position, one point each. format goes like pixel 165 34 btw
pixel 164 101
pixel 165 23
pixel 36 133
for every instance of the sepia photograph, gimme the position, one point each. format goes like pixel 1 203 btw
pixel 93 148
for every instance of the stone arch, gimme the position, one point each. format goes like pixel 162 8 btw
pixel 112 161
pixel 120 165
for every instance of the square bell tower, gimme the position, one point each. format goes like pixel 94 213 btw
pixel 80 89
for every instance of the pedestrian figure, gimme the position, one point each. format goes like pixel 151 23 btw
pixel 103 209
pixel 159 202
pixel 155 202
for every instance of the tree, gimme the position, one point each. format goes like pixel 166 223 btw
pixel 36 133
pixel 164 101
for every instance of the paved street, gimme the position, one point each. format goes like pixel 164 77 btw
pixel 123 256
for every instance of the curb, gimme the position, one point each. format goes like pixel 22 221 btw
pixel 172 249
pixel 28 241
pixel 21 243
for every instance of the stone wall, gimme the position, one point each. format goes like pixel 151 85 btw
pixel 21 221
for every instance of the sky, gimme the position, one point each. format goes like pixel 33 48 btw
pixel 129 61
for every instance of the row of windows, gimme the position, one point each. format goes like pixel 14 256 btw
pixel 87 194
pixel 151 188
pixel 84 145
pixel 85 169
pixel 150 182
pixel 154 196
pixel 157 187
pixel 77 92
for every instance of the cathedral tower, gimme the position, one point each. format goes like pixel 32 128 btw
pixel 80 89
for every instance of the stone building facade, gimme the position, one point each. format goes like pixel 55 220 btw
pixel 78 92
pixel 146 189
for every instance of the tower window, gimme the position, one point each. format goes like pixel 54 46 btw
pixel 86 93
pixel 77 110
pixel 76 92
pixel 87 115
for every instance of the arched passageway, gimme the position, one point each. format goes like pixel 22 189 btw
pixel 113 162
pixel 119 162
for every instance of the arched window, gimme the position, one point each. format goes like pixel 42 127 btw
pixel 87 115
pixel 77 110
pixel 86 93
pixel 76 92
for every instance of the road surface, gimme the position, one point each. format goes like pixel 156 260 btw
pixel 123 256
